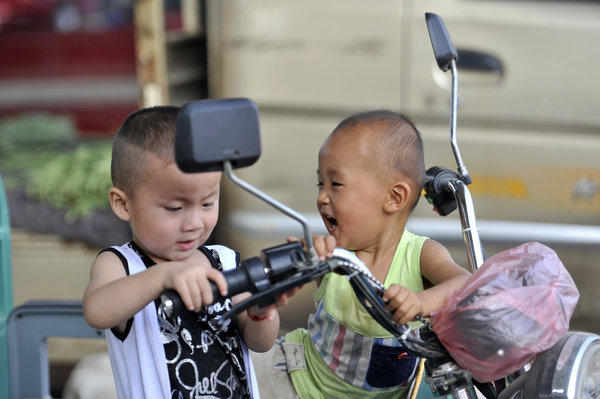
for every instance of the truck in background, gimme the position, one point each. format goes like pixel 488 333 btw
pixel 528 124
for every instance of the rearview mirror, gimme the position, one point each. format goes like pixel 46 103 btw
pixel 210 132
pixel 443 48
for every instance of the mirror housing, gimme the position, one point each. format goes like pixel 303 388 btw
pixel 210 132
pixel 443 48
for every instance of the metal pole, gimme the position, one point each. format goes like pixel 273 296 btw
pixel 468 222
pixel 462 169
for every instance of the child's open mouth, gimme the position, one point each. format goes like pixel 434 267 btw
pixel 332 223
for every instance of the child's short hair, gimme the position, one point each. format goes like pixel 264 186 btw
pixel 397 144
pixel 145 130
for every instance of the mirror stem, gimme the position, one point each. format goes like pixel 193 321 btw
pixel 462 169
pixel 311 253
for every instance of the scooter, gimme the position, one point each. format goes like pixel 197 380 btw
pixel 569 369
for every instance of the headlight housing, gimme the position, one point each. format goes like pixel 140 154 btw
pixel 577 371
pixel 568 370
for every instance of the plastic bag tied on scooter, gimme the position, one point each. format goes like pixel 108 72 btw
pixel 516 305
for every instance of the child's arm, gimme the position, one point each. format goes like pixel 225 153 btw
pixel 259 327
pixel 438 267
pixel 111 297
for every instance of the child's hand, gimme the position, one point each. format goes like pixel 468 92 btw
pixel 270 311
pixel 324 245
pixel 192 283
pixel 402 303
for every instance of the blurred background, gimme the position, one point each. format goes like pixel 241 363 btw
pixel 72 70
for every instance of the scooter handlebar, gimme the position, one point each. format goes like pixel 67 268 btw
pixel 256 274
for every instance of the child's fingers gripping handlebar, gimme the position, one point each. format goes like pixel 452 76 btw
pixel 257 274
pixel 238 280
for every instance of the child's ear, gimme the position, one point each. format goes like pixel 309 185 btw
pixel 398 198
pixel 118 202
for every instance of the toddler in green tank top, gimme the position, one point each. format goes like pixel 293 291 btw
pixel 370 177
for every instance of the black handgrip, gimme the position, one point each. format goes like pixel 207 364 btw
pixel 437 191
pixel 242 279
pixel 443 48
pixel 249 277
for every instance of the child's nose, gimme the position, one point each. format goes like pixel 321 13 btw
pixel 323 197
pixel 193 220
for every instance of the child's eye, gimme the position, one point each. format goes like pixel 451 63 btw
pixel 208 204
pixel 336 184
pixel 320 185
pixel 172 209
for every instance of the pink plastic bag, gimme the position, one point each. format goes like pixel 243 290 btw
pixel 516 305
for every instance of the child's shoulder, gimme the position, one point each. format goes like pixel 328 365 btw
pixel 409 235
pixel 411 241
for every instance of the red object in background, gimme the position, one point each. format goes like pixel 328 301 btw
pixel 14 13
pixel 50 54
pixel 68 73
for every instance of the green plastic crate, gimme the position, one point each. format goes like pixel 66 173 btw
pixel 6 291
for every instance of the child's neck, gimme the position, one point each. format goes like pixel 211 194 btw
pixel 378 261
pixel 379 257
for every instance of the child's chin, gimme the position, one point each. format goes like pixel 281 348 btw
pixel 179 255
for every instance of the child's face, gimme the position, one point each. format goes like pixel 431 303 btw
pixel 172 213
pixel 351 197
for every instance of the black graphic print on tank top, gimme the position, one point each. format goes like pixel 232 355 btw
pixel 204 360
